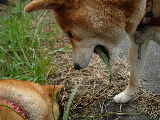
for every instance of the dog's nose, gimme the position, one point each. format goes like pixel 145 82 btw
pixel 77 67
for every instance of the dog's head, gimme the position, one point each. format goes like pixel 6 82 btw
pixel 52 92
pixel 72 18
pixel 30 100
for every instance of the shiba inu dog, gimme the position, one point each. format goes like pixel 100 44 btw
pixel 22 100
pixel 92 23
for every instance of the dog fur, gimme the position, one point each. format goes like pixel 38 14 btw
pixel 38 101
pixel 89 23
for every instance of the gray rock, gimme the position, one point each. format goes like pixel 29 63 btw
pixel 149 70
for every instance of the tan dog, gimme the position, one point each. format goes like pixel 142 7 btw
pixel 22 100
pixel 91 23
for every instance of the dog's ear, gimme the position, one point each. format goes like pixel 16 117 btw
pixel 53 90
pixel 43 4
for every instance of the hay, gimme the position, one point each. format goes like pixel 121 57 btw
pixel 96 90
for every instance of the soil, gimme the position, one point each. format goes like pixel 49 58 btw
pixel 97 85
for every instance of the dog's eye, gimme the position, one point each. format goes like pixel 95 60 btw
pixel 70 35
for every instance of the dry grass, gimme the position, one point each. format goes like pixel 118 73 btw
pixel 96 90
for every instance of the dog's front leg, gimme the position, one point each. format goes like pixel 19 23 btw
pixel 130 91
pixel 136 15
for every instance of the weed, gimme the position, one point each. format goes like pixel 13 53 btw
pixel 23 54
pixel 69 103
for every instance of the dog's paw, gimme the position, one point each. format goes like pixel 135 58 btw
pixel 122 98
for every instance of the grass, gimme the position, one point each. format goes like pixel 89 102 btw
pixel 23 53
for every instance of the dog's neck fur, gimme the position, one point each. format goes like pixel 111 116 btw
pixel 33 100
pixel 11 105
pixel 116 13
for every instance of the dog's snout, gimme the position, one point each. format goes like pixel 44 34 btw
pixel 77 67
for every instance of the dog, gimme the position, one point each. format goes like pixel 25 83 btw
pixel 105 23
pixel 24 100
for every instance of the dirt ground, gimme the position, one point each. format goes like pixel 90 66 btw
pixel 97 86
